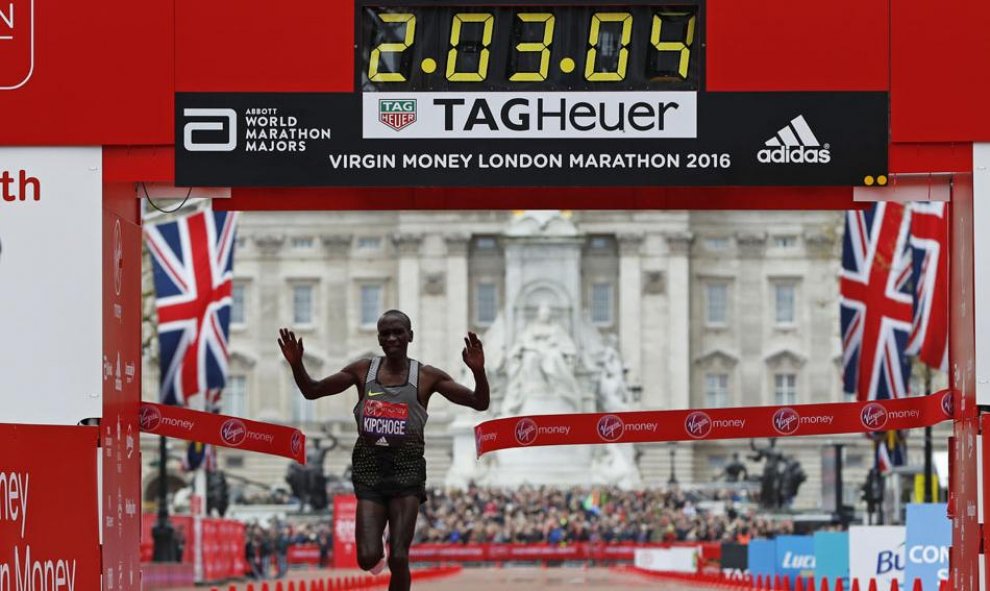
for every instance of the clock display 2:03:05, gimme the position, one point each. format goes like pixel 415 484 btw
pixel 437 48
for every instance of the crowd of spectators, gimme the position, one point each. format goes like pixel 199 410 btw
pixel 267 547
pixel 609 515
pixel 545 515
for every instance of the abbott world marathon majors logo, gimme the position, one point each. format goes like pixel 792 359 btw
pixel 265 129
pixel 795 143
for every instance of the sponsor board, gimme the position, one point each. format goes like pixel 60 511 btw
pixel 51 220
pixel 551 138
pixel 928 538
pixel 832 555
pixel 877 551
pixel 795 557
pixel 762 557
pixel 49 535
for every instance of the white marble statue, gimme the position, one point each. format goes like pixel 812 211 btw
pixel 613 393
pixel 541 364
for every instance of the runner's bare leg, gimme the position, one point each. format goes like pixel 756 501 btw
pixel 371 519
pixel 402 514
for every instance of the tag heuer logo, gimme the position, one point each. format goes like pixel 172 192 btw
pixel 397 113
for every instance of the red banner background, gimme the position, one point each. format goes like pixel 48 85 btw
pixel 194 425
pixel 713 423
pixel 344 517
pixel 223 545
pixel 49 528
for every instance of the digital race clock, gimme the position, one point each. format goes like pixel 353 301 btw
pixel 551 93
pixel 530 48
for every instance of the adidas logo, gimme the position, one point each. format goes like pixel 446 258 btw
pixel 382 441
pixel 794 143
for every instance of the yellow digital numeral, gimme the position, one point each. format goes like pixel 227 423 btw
pixel 593 38
pixel 544 48
pixel 455 38
pixel 683 47
pixel 376 54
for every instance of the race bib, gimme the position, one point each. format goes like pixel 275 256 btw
pixel 382 418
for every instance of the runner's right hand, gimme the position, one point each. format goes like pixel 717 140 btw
pixel 292 349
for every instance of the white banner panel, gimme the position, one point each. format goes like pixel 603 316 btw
pixel 877 551
pixel 50 284
pixel 653 559
pixel 677 559
pixel 981 269
pixel 503 115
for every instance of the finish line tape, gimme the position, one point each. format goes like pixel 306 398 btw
pixel 193 425
pixel 713 423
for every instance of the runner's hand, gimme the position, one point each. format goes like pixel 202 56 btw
pixel 473 354
pixel 292 349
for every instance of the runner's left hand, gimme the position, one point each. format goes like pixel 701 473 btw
pixel 473 354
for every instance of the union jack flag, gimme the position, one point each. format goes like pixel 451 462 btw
pixel 930 261
pixel 876 302
pixel 193 260
pixel 891 450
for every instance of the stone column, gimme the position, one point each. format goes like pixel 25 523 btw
pixel 458 292
pixel 679 322
pixel 270 291
pixel 338 292
pixel 749 318
pixel 407 246
pixel 337 248
pixel 630 300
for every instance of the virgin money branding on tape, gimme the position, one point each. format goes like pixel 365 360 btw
pixel 508 115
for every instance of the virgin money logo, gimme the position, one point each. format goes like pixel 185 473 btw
pixel 947 404
pixel 233 432
pixel 610 428
pixel 296 443
pixel 149 418
pixel 786 421
pixel 873 416
pixel 698 425
pixel 526 431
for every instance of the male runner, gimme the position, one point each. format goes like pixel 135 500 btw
pixel 388 467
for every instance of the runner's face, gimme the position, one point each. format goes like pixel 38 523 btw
pixel 393 336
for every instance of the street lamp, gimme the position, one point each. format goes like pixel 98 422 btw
pixel 673 450
pixel 163 534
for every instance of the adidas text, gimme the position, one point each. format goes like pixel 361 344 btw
pixel 794 155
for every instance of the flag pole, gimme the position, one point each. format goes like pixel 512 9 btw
pixel 928 442
pixel 163 534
